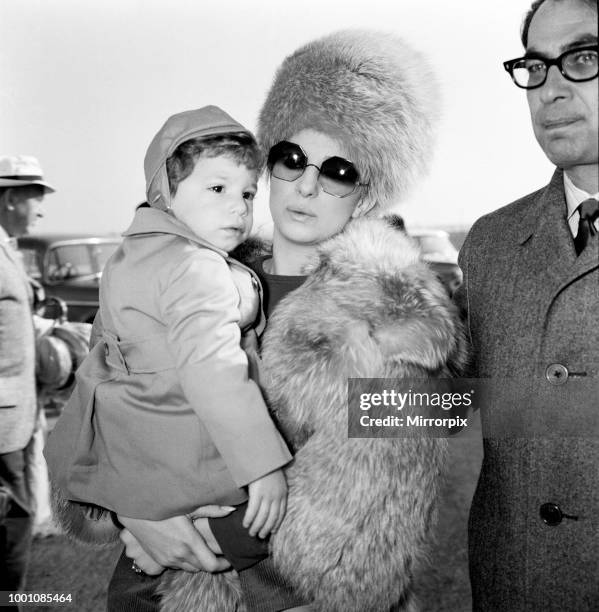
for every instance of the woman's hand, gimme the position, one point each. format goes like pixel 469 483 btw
pixel 138 555
pixel 173 542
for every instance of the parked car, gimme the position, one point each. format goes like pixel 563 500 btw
pixel 436 249
pixel 69 267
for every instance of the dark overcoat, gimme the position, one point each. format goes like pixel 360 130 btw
pixel 533 318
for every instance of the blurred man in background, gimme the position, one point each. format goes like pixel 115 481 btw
pixel 531 290
pixel 22 191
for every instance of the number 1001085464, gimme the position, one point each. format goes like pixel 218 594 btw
pixel 8 598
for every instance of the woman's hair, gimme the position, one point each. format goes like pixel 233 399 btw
pixel 239 147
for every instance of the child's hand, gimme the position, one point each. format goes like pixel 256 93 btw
pixel 268 501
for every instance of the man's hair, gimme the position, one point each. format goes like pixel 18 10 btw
pixel 35 190
pixel 239 147
pixel 534 7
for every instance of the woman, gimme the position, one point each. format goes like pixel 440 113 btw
pixel 347 124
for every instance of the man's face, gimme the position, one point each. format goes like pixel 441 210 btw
pixel 21 209
pixel 565 115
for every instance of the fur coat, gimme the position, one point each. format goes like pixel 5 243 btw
pixel 360 511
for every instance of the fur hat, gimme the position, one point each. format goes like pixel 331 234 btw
pixel 370 91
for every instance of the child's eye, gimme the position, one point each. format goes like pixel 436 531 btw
pixel 249 195
pixel 217 188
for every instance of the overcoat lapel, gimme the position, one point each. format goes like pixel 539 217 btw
pixel 548 243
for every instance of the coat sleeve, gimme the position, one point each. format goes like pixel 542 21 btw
pixel 462 296
pixel 199 305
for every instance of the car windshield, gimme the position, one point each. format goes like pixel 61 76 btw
pixel 79 260
pixel 435 244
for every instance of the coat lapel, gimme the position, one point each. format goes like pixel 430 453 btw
pixel 548 243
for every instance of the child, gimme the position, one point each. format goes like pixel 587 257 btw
pixel 164 417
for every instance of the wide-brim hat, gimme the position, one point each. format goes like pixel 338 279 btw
pixel 22 170
pixel 369 90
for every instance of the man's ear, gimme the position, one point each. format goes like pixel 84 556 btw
pixel 364 206
pixel 6 199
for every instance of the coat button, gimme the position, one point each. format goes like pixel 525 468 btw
pixel 556 374
pixel 553 515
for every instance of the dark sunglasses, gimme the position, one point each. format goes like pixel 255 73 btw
pixel 337 176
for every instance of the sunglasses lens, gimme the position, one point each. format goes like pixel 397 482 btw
pixel 287 161
pixel 338 176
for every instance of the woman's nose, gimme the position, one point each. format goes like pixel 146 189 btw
pixel 307 183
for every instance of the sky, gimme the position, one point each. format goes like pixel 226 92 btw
pixel 86 84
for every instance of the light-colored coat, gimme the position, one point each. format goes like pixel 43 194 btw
pixel 17 354
pixel 360 511
pixel 164 417
pixel 532 303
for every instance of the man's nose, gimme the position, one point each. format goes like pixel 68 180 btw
pixel 556 85
pixel 307 183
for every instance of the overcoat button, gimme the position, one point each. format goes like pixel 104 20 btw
pixel 551 514
pixel 556 374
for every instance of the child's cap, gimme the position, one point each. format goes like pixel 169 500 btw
pixel 202 122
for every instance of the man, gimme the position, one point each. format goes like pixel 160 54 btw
pixel 22 190
pixel 531 289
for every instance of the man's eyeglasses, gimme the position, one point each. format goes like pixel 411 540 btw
pixel 337 176
pixel 576 65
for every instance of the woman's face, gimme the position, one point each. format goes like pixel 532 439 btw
pixel 302 212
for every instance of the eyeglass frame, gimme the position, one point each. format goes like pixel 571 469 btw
pixel 556 61
pixel 356 184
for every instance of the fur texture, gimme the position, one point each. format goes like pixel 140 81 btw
pixel 369 90
pixel 83 523
pixel 360 510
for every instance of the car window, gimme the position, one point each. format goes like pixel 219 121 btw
pixel 31 262
pixel 435 244
pixel 101 253
pixel 77 260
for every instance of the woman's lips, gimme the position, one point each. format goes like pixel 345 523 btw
pixel 299 215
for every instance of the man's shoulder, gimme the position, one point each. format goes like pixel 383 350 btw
pixel 512 214
pixel 499 231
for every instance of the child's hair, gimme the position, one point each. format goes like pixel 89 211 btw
pixel 238 146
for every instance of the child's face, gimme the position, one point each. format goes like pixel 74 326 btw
pixel 216 201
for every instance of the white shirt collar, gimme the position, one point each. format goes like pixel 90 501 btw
pixel 6 239
pixel 574 196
